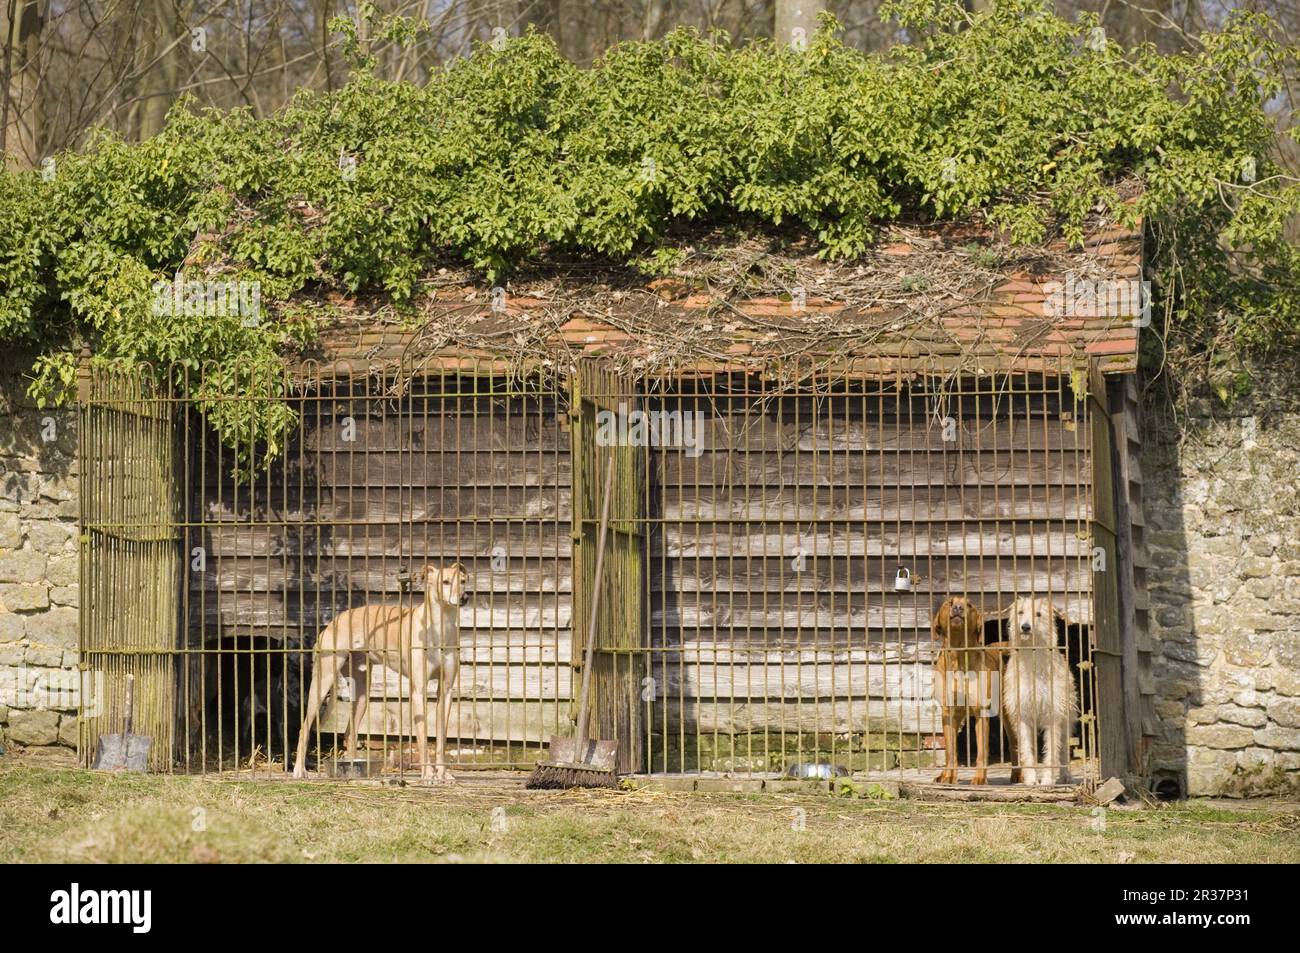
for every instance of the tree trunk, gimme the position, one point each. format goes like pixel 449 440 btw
pixel 24 134
pixel 656 14
pixel 6 73
pixel 326 11
pixel 161 80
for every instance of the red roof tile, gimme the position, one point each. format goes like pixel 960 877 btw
pixel 1027 314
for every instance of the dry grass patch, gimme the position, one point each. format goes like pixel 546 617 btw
pixel 52 815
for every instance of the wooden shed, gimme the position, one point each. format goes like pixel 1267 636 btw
pixel 801 477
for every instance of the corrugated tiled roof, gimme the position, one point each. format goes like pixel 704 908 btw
pixel 1024 319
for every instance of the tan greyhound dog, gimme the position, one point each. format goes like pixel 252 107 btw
pixel 422 642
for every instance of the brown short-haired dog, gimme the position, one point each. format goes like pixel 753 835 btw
pixel 966 682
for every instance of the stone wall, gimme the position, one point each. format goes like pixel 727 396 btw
pixel 1223 521
pixel 38 569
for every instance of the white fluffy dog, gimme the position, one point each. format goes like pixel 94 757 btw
pixel 1038 692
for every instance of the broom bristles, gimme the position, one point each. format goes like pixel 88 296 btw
pixel 552 777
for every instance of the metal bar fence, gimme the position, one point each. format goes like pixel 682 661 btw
pixel 782 544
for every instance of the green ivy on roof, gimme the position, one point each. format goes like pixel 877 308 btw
pixel 1018 119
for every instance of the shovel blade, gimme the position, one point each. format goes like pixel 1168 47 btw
pixel 599 754
pixel 122 753
pixel 137 752
pixel 109 753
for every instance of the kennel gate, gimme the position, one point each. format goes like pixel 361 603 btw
pixel 751 613
pixel 795 555
pixel 257 552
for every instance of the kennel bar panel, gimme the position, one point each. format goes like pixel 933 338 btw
pixel 513 687
pixel 745 663
pixel 761 664
pixel 382 472
pixel 130 562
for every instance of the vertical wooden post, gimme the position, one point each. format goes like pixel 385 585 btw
pixel 1108 651
pixel 619 664
pixel 1131 575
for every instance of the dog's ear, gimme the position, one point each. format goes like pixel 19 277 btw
pixel 939 625
pixel 999 614
pixel 974 616
pixel 1059 613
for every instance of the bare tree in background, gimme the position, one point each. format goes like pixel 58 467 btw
pixel 796 21
pixel 70 66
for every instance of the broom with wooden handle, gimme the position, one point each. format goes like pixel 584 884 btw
pixel 571 764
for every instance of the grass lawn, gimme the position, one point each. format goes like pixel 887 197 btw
pixel 58 814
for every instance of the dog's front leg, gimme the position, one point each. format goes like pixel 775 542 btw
pixel 950 728
pixel 1027 748
pixel 419 706
pixel 1047 762
pixel 982 749
pixel 1058 757
pixel 446 684
pixel 989 693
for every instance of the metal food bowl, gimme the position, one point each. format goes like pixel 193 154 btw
pixel 350 768
pixel 815 771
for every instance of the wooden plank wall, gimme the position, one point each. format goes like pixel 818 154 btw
pixel 461 469
pixel 774 608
